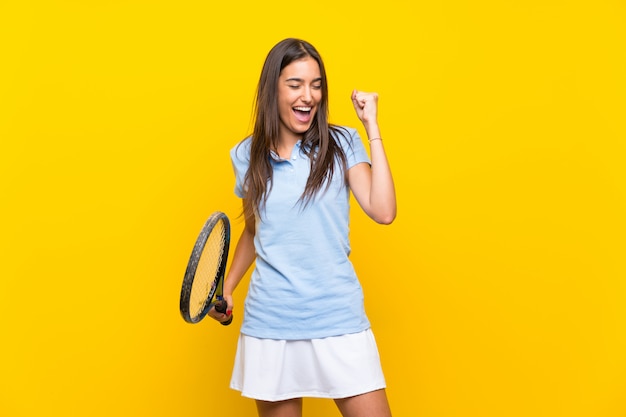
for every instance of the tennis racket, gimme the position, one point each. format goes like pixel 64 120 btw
pixel 204 278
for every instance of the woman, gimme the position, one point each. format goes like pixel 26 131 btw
pixel 305 332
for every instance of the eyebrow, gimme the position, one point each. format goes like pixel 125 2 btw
pixel 300 80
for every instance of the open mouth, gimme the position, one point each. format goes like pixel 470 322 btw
pixel 303 113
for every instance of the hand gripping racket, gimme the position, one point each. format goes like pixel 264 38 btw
pixel 204 278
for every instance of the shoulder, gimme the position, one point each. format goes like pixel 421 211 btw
pixel 241 151
pixel 351 144
pixel 345 136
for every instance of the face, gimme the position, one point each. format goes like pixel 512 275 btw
pixel 299 94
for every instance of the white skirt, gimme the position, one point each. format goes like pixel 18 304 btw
pixel 333 367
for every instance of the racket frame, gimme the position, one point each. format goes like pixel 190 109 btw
pixel 218 281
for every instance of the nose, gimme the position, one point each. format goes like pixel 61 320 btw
pixel 306 95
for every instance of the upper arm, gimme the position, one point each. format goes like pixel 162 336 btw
pixel 360 181
pixel 249 221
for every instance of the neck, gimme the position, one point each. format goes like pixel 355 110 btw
pixel 286 143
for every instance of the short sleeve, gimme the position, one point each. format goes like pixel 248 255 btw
pixel 240 158
pixel 352 146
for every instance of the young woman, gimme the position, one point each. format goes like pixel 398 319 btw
pixel 305 332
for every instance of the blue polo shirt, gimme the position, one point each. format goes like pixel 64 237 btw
pixel 303 285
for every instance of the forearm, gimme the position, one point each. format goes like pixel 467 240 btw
pixel 382 195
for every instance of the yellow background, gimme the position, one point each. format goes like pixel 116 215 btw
pixel 500 289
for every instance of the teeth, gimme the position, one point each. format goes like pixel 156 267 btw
pixel 302 108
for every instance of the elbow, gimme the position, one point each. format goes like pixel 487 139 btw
pixel 385 218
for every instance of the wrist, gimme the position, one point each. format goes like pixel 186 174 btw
pixel 372 131
pixel 370 124
pixel 373 134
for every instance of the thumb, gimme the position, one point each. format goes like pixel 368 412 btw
pixel 355 101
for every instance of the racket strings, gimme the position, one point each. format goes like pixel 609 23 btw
pixel 208 269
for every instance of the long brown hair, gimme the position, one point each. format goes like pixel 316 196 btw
pixel 318 142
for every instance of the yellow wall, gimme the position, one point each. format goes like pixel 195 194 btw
pixel 499 291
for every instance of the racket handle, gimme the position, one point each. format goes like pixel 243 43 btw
pixel 220 307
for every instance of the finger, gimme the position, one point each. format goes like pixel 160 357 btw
pixel 227 309
pixel 359 103
pixel 227 317
pixel 221 306
pixel 354 98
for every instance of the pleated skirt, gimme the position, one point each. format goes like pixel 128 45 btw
pixel 332 367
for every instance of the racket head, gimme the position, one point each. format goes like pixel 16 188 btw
pixel 204 276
